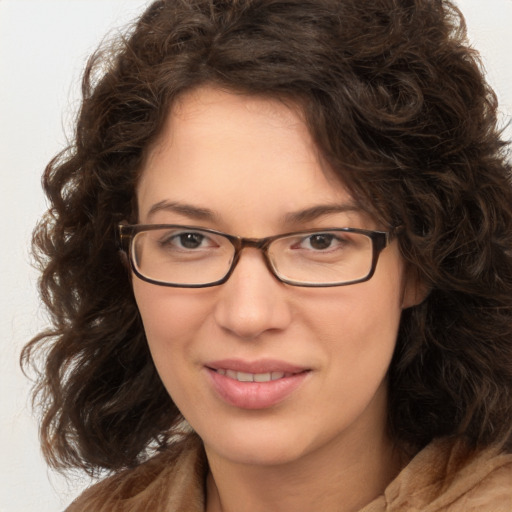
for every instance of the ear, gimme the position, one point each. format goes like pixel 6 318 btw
pixel 415 289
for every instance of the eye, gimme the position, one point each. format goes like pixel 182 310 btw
pixel 190 240
pixel 320 242
pixel 186 240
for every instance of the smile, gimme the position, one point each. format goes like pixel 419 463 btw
pixel 255 385
pixel 252 377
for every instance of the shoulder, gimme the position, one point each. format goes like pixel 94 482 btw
pixel 447 476
pixel 170 481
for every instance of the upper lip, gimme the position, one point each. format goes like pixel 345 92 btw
pixel 259 366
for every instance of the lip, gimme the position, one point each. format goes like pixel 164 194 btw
pixel 259 366
pixel 255 395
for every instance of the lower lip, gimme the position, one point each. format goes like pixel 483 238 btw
pixel 255 395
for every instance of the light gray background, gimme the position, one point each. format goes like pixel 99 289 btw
pixel 43 48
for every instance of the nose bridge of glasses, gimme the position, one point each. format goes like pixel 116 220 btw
pixel 240 243
pixel 256 243
pixel 260 244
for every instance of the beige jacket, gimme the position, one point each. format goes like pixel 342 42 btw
pixel 443 477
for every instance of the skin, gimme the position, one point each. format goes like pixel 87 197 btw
pixel 242 165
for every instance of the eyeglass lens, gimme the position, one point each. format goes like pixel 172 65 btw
pixel 194 257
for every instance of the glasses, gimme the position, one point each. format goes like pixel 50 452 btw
pixel 190 257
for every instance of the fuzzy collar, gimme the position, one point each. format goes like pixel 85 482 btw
pixel 443 477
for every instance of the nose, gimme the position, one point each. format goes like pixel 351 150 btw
pixel 252 301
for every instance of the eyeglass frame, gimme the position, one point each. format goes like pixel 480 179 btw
pixel 379 239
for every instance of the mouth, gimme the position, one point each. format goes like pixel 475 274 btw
pixel 252 377
pixel 256 385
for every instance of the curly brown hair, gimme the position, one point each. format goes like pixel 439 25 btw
pixel 396 101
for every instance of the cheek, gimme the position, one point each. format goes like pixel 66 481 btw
pixel 170 317
pixel 359 324
pixel 361 313
pixel 359 339
pixel 358 330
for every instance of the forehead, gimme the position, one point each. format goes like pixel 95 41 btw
pixel 245 158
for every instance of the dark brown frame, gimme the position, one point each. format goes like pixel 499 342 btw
pixel 126 232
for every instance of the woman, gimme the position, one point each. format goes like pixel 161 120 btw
pixel 278 265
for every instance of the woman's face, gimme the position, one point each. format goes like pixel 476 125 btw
pixel 247 166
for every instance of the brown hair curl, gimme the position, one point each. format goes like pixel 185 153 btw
pixel 397 103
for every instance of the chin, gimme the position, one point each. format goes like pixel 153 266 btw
pixel 259 445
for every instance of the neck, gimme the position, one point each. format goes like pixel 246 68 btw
pixel 341 476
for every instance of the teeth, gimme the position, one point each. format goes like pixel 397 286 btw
pixel 231 374
pixel 262 377
pixel 251 377
pixel 245 377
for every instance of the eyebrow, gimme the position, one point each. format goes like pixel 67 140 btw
pixel 188 210
pixel 315 212
pixel 300 216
